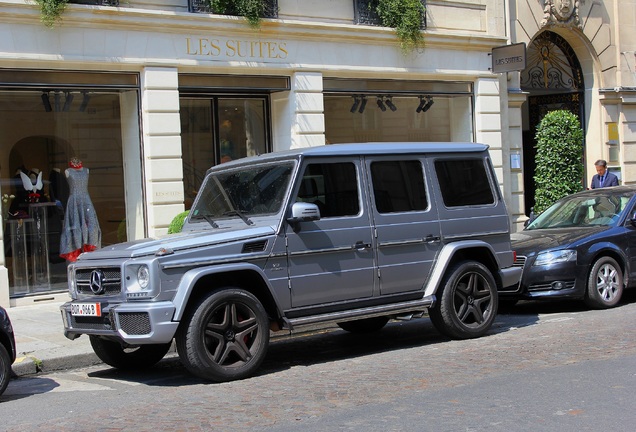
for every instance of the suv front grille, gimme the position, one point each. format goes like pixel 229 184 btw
pixel 134 323
pixel 90 323
pixel 111 282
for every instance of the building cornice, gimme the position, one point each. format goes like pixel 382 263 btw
pixel 146 20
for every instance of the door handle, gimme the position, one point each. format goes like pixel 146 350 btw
pixel 432 239
pixel 361 246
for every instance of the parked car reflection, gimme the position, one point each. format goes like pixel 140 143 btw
pixel 582 247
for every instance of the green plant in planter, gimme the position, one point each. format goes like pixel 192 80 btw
pixel 405 16
pixel 252 10
pixel 559 166
pixel 177 223
pixel 51 11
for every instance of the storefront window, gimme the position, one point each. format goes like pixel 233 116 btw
pixel 219 129
pixel 392 110
pixel 42 130
pixel 408 118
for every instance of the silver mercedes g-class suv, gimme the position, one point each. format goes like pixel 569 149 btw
pixel 352 234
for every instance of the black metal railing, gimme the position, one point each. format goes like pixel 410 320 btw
pixel 203 6
pixel 365 13
pixel 96 2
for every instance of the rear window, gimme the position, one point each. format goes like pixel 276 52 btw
pixel 464 182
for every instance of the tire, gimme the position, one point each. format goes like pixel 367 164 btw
pixel 366 325
pixel 5 368
pixel 604 284
pixel 467 301
pixel 140 357
pixel 225 336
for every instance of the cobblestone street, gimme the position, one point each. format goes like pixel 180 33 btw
pixel 543 367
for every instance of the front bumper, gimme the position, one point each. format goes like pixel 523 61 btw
pixel 563 280
pixel 132 323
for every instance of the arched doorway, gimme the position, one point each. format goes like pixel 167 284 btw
pixel 554 80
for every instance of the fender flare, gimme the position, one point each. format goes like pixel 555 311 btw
pixel 191 277
pixel 445 257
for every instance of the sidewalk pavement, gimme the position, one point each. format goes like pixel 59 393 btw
pixel 41 344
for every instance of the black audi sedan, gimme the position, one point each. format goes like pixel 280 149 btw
pixel 7 349
pixel 582 247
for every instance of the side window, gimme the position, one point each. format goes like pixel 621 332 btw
pixel 464 182
pixel 398 186
pixel 333 187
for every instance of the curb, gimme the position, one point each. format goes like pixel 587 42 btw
pixel 30 365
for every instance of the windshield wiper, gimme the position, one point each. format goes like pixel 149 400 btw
pixel 239 214
pixel 209 220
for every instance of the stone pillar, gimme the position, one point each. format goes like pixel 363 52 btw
pixel 488 121
pixel 163 169
pixel 307 110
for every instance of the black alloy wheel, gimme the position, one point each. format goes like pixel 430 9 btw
pixel 467 301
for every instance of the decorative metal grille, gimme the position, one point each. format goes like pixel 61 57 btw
pixel 365 13
pixel 552 65
pixel 203 6
pixel 96 2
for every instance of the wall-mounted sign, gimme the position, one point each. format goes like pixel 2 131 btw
pixel 509 58
pixel 612 133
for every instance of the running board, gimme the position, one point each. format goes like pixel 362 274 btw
pixel 393 309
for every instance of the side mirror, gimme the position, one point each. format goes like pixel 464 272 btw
pixel 303 212
pixel 633 219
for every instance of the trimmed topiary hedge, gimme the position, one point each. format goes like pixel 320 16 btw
pixel 177 223
pixel 559 165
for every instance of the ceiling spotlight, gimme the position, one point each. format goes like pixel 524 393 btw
pixel 85 99
pixel 421 105
pixel 57 100
pixel 68 101
pixel 389 103
pixel 428 105
pixel 356 102
pixel 381 104
pixel 46 102
pixel 363 104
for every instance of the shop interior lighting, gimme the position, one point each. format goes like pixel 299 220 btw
pixel 57 101
pixel 425 104
pixel 381 104
pixel 389 103
pixel 86 98
pixel 46 102
pixel 428 105
pixel 356 103
pixel 363 104
pixel 68 101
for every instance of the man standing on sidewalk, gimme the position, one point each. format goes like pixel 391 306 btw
pixel 603 178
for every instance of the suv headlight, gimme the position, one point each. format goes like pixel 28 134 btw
pixel 143 276
pixel 139 282
pixel 555 257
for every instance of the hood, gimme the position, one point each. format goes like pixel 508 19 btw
pixel 176 242
pixel 528 241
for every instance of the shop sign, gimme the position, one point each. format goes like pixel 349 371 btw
pixel 218 48
pixel 509 58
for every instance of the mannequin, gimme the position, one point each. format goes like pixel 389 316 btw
pixel 32 184
pixel 81 232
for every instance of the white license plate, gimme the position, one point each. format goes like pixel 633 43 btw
pixel 86 309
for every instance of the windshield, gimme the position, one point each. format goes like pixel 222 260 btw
pixel 242 193
pixel 582 211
